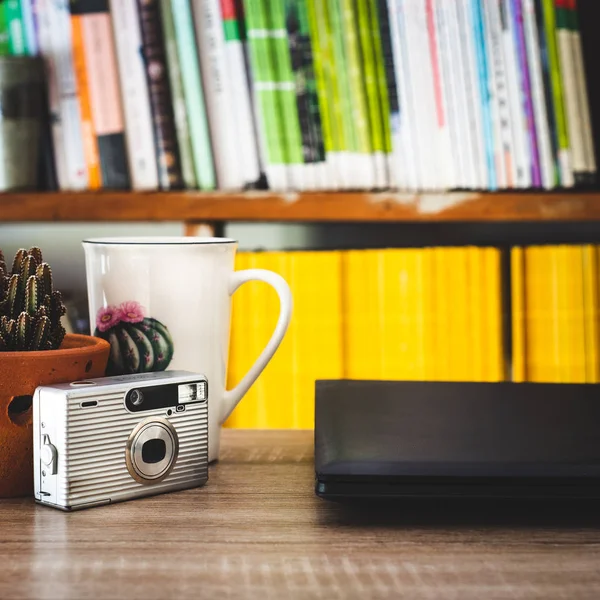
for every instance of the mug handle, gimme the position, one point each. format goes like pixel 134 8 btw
pixel 278 283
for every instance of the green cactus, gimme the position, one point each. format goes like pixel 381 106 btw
pixel 30 309
pixel 137 347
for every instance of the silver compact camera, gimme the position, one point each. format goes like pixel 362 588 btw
pixel 106 440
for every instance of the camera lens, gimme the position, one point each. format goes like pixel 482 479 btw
pixel 136 397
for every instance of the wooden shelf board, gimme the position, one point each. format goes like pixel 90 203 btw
pixel 312 206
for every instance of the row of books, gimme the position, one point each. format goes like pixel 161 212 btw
pixel 420 314
pixel 555 311
pixel 311 94
pixel 429 314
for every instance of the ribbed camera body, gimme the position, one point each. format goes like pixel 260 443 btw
pixel 107 440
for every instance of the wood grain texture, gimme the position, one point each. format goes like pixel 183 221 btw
pixel 257 531
pixel 315 206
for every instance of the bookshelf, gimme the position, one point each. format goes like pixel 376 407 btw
pixel 198 207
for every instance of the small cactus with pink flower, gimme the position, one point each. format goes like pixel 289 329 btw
pixel 138 344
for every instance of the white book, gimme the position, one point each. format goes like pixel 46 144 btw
pixel 220 103
pixel 408 120
pixel 139 131
pixel 421 80
pixel 464 99
pixel 583 102
pixel 244 122
pixel 522 154
pixel 498 72
pixel 542 125
pixel 449 79
pixel 475 110
pixel 56 45
pixel 493 50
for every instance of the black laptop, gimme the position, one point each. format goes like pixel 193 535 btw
pixel 391 439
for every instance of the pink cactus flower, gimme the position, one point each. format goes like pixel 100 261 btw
pixel 131 312
pixel 108 317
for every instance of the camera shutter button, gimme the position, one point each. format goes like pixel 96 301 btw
pixel 48 454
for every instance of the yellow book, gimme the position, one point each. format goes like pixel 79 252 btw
pixel 373 280
pixel 414 361
pixel 354 311
pixel 590 312
pixel 442 357
pixel 561 281
pixel 574 317
pixel 277 376
pixel 421 322
pixel 517 281
pixel 428 285
pixel 392 312
pixel 456 292
pixel 237 337
pixel 494 347
pixel 326 344
pixel 551 334
pixel 538 311
pixel 476 330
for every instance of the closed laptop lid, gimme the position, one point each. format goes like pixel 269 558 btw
pixel 454 429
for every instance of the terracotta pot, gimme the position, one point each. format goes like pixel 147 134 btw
pixel 79 357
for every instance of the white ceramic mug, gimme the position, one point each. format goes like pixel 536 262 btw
pixel 166 303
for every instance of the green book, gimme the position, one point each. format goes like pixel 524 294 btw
pixel 382 88
pixel 266 94
pixel 359 110
pixel 193 94
pixel 16 31
pixel 376 117
pixel 564 147
pixel 179 109
pixel 320 30
pixel 4 36
pixel 341 66
pixel 286 88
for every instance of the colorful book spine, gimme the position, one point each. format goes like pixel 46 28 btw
pixel 457 68
pixel 542 123
pixel 518 120
pixel 447 55
pixel 473 94
pixel 195 107
pixel 28 10
pixel 382 89
pixel 104 91
pixel 408 139
pixel 544 52
pixel 353 164
pixel 565 158
pixel 526 93
pixel 182 128
pixel 135 95
pixel 270 115
pixel 56 45
pixel 4 33
pixel 301 58
pixel 582 93
pixel 322 89
pixel 17 43
pixel 165 136
pixel 518 313
pixel 90 140
pixel 484 92
pixel 395 161
pixel 236 69
pixel 220 103
pixel 569 86
pixel 371 53
pixel 590 313
pixel 360 146
pixel 287 93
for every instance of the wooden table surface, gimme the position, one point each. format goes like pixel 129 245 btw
pixel 257 531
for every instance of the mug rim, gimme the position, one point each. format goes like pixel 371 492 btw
pixel 158 241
